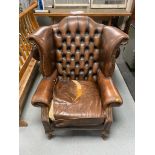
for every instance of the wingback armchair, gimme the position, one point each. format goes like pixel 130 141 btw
pixel 77 60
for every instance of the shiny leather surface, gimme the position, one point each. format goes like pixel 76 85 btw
pixel 111 41
pixel 77 40
pixel 109 93
pixel 43 95
pixel 73 109
pixel 77 49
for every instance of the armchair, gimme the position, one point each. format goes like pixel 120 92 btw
pixel 77 60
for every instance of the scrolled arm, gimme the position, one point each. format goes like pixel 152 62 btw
pixel 109 94
pixel 43 94
pixel 111 41
pixel 42 42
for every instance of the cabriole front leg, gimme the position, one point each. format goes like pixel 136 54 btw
pixel 46 122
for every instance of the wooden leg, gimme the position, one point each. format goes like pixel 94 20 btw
pixel 22 123
pixel 105 134
pixel 50 135
pixel 107 124
pixel 46 123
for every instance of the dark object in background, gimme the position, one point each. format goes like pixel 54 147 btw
pixel 129 50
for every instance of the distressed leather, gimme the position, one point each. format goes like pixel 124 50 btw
pixel 109 93
pixel 43 94
pixel 77 48
pixel 74 106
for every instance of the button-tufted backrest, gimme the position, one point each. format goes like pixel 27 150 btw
pixel 77 41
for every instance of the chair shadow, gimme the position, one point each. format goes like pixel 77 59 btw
pixel 77 133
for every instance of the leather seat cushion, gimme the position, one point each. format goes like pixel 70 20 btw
pixel 76 103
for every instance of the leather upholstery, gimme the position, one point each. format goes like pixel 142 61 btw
pixel 109 94
pixel 77 50
pixel 77 40
pixel 73 109
pixel 42 40
pixel 43 95
pixel 111 40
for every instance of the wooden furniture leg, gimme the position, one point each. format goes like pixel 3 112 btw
pixel 107 124
pixel 46 122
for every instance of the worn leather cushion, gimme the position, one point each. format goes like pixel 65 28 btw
pixel 76 103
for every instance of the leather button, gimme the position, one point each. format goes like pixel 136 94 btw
pixel 91 55
pixel 86 63
pixel 90 73
pixel 68 48
pixel 72 56
pixel 77 68
pixel 91 39
pixel 96 32
pixel 87 48
pixel 68 63
pixel 72 40
pixel 72 63
pixel 91 62
pixel 82 63
pixel 77 32
pixel 86 68
pixel 58 32
pixel 68 77
pixel 64 73
pixel 81 74
pixel 68 32
pixel 87 32
pixel 82 39
pixel 82 56
pixel 86 77
pixel 60 48
pixel 64 40
pixel 64 61
pixel 95 47
pixel 68 69
pixel 72 74
pixel 95 77
pixel 77 48
pixel 63 55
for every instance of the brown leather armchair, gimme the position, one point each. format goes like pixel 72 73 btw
pixel 77 59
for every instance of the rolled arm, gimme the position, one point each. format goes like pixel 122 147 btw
pixel 109 94
pixel 43 94
pixel 42 42
pixel 111 41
